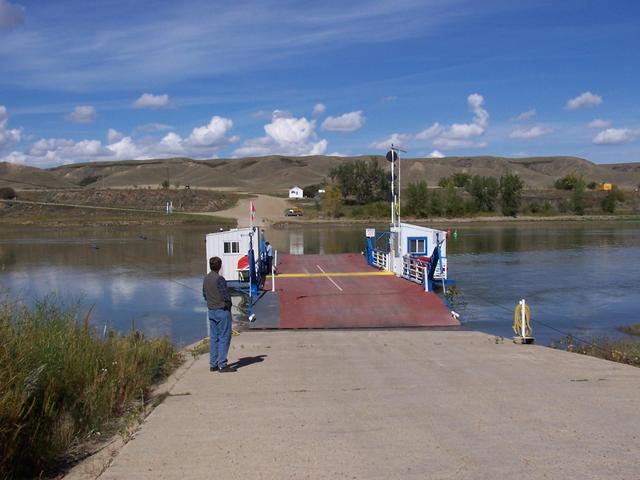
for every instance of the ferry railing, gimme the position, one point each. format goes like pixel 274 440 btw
pixel 441 270
pixel 380 258
pixel 414 269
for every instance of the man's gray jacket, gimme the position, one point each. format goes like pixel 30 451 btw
pixel 215 291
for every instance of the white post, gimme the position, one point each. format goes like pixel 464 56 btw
pixel 167 208
pixel 273 277
pixel 399 207
pixel 522 318
pixel 426 279
pixel 393 191
pixel 275 258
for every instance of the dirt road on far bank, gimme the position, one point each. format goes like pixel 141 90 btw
pixel 268 210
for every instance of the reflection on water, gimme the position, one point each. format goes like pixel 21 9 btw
pixel 579 277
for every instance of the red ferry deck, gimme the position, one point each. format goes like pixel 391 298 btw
pixel 342 291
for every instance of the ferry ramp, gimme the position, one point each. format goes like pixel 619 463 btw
pixel 342 291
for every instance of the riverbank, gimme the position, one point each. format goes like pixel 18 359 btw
pixel 25 213
pixel 64 386
pixel 139 206
pixel 297 221
pixel 391 404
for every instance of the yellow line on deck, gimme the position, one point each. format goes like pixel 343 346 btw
pixel 340 274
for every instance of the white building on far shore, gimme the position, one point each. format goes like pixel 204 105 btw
pixel 296 192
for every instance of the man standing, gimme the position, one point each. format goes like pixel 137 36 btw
pixel 215 292
pixel 269 257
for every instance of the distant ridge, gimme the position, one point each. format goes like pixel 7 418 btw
pixel 276 173
pixel 24 177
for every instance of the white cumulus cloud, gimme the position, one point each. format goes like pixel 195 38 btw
pixel 48 151
pixel 430 132
pixel 462 135
pixel 11 16
pixel 529 133
pixel 126 149
pixel 211 135
pixel 599 123
pixel 148 100
pixel 319 109
pixel 584 100
pixel 616 136
pixel 114 136
pixel 397 140
pixel 528 115
pixel 347 122
pixel 82 114
pixel 436 154
pixel 9 137
pixel 203 142
pixel 285 135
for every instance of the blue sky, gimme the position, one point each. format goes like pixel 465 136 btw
pixel 109 80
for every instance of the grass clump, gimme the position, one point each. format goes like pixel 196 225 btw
pixel 616 350
pixel 61 382
pixel 633 329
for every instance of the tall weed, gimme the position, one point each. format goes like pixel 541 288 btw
pixel 60 381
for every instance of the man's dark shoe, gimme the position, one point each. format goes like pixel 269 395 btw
pixel 213 369
pixel 228 369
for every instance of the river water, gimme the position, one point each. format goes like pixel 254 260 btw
pixel 578 277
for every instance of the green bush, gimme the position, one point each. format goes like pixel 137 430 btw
pixel 61 381
pixel 622 351
pixel 484 191
pixel 332 201
pixel 417 203
pixel 568 182
pixel 361 182
pixel 577 200
pixel 460 180
pixel 88 180
pixel 510 194
pixel 7 193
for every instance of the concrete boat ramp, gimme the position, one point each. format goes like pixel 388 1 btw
pixel 386 404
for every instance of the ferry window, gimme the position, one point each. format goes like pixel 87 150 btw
pixel 417 245
pixel 231 247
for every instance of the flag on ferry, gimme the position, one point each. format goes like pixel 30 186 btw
pixel 253 212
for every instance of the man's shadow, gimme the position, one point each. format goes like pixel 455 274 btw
pixel 246 361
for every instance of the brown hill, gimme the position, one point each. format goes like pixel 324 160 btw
pixel 22 177
pixel 278 173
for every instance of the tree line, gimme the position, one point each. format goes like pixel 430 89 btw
pixel 366 187
pixel 486 193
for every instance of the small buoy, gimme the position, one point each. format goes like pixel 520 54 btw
pixel 455 234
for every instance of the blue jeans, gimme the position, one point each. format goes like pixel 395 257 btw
pixel 220 337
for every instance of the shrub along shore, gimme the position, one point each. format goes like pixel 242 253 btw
pixel 616 350
pixel 63 383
